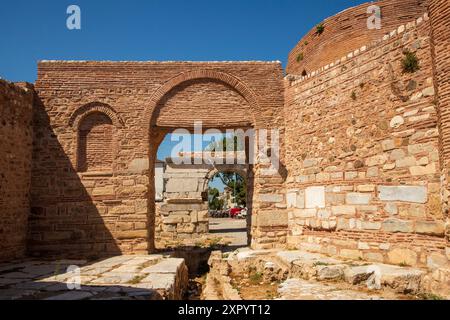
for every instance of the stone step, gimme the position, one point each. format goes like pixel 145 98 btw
pixel 313 266
pixel 299 289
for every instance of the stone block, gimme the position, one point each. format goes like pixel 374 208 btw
pixel 391 208
pixel 181 185
pixel 315 197
pixel 305 213
pixel 388 145
pixel 436 261
pixel 413 194
pixel 366 188
pixel 343 210
pixel 370 225
pixel 272 219
pixel 270 198
pixel 173 220
pixel 432 228
pixel 423 170
pixel 301 200
pixel 377 160
pixel 351 254
pixel 358 198
pixel 103 191
pixel 374 257
pixel 335 272
pixel 291 199
pixel 121 210
pixel 133 234
pixel 139 166
pixel 395 225
pixel 402 256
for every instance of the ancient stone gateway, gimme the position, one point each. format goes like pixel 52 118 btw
pixel 364 145
pixel 182 218
pixel 94 185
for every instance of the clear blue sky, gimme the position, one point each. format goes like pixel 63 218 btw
pixel 198 30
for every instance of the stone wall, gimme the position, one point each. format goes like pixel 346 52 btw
pixel 110 209
pixel 348 31
pixel 362 150
pixel 16 134
pixel 182 218
pixel 439 13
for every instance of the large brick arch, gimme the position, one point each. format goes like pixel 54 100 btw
pixel 217 76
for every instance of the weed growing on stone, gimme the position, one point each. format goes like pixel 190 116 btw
pixel 410 62
pixel 256 278
pixel 430 296
pixel 137 279
pixel 320 29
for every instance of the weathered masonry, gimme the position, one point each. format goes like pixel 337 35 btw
pixel 364 160
pixel 98 126
pixel 182 217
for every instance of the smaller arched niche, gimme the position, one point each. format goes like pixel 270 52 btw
pixel 95 127
pixel 95 143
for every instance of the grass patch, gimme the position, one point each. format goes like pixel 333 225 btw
pixel 256 278
pixel 430 296
pixel 137 279
pixel 320 263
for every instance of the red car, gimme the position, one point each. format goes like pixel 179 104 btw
pixel 235 212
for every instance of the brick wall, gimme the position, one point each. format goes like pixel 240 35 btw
pixel 348 31
pixel 15 167
pixel 362 145
pixel 102 210
pixel 439 13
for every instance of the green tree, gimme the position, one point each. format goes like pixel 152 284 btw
pixel 237 184
pixel 231 180
pixel 214 201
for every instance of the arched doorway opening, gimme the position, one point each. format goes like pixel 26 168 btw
pixel 182 181
pixel 219 102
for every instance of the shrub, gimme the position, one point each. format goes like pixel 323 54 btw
pixel 353 95
pixel 300 57
pixel 410 62
pixel 320 29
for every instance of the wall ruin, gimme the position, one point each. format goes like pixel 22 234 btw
pixel 97 209
pixel 16 137
pixel 367 184
pixel 363 165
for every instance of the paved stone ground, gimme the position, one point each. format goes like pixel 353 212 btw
pixel 152 277
pixel 232 230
